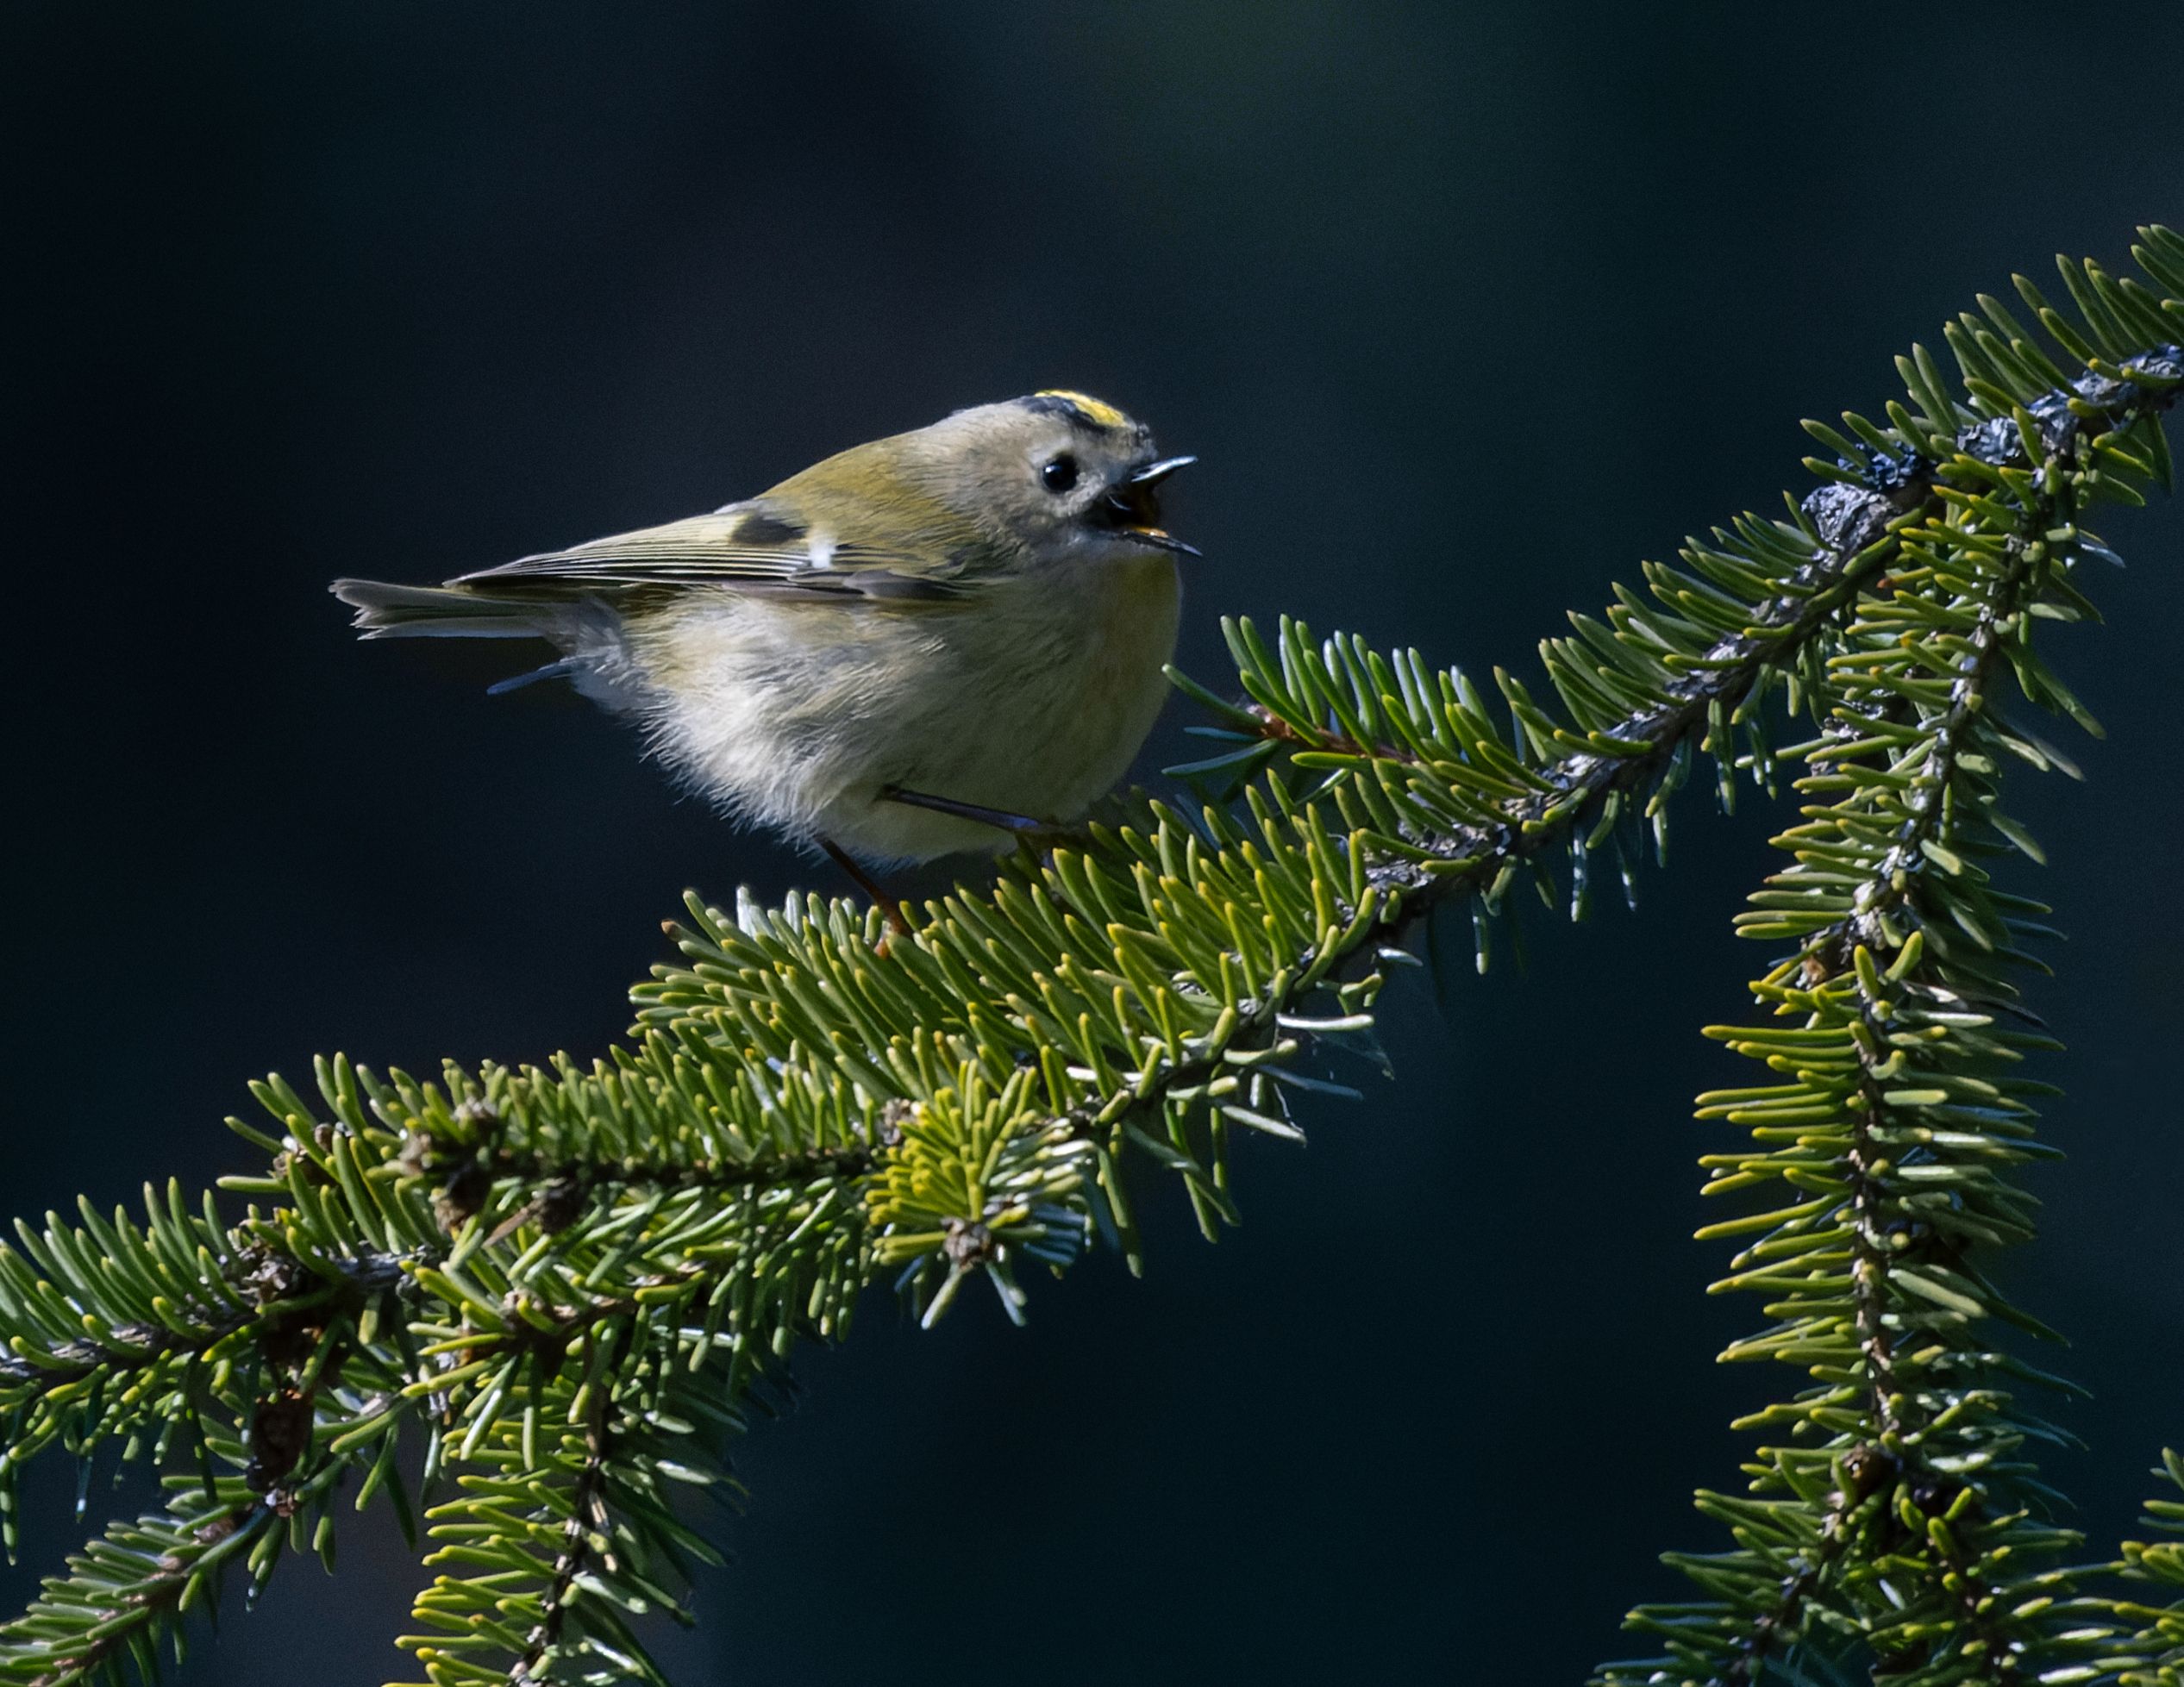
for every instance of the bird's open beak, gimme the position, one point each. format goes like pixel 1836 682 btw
pixel 1137 508
pixel 1153 473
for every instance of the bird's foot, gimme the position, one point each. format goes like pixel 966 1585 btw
pixel 891 909
pixel 1039 833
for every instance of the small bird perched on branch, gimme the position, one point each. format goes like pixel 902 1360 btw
pixel 927 644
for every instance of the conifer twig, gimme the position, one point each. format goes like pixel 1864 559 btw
pixel 566 1278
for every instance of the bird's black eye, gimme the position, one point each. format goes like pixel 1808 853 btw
pixel 1060 474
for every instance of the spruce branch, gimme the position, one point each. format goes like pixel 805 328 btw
pixel 2135 1643
pixel 567 1279
pixel 582 1536
pixel 1900 1519
pixel 129 1590
pixel 562 1531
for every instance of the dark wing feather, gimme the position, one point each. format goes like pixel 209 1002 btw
pixel 741 548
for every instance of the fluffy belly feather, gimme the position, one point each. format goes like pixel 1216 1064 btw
pixel 1032 697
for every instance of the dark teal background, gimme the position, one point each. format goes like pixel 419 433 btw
pixel 1467 310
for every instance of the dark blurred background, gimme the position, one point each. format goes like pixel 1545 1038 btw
pixel 1467 308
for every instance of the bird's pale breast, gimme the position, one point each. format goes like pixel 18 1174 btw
pixel 1031 697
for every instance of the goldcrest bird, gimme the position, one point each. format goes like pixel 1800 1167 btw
pixel 922 646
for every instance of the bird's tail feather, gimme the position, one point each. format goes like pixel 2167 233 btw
pixel 384 611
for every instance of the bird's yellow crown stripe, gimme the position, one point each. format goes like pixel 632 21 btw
pixel 1106 416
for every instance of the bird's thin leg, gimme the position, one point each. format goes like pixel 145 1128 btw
pixel 886 904
pixel 1032 831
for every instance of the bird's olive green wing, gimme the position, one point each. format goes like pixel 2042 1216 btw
pixel 749 548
